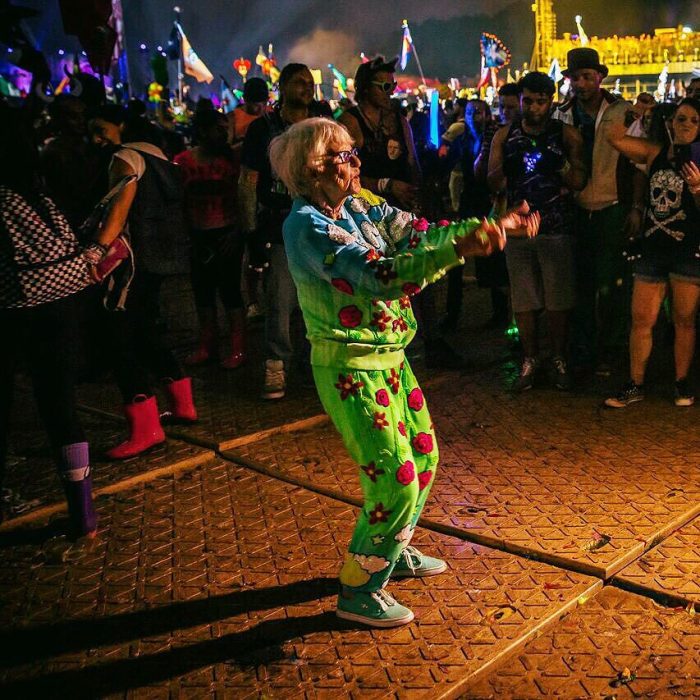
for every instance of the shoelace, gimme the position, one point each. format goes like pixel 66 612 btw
pixel 413 557
pixel 383 599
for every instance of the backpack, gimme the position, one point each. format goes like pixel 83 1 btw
pixel 157 228
pixel 40 257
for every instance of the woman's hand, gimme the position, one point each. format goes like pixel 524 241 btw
pixel 488 238
pixel 520 222
pixel 691 174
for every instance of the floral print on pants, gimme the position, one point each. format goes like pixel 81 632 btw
pixel 384 421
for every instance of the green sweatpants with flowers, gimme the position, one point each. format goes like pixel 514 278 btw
pixel 384 421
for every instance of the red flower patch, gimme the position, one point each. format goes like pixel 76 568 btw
pixel 413 241
pixel 402 428
pixel 405 302
pixel 382 397
pixel 347 386
pixel 380 422
pixel 443 222
pixel 380 320
pixel 372 471
pixel 343 286
pixel 424 479
pixel 406 473
pixel 372 257
pixel 411 288
pixel 394 381
pixel 350 317
pixel 415 399
pixel 420 224
pixel 399 325
pixel 423 443
pixel 378 514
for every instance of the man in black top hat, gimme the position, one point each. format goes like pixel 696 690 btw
pixel 600 321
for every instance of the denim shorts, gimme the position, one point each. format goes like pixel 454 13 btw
pixel 663 266
pixel 542 274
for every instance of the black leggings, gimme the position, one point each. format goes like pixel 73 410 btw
pixel 46 338
pixel 213 270
pixel 136 346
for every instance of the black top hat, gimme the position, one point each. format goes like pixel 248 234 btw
pixel 578 59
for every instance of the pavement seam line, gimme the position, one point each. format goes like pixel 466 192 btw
pixel 182 465
pixel 470 536
pixel 508 652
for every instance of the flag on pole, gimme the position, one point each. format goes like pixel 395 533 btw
pixel 194 65
pixel 340 82
pixel 406 45
pixel 229 102
pixel 555 71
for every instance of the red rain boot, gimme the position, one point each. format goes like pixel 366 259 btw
pixel 237 356
pixel 208 337
pixel 180 401
pixel 145 429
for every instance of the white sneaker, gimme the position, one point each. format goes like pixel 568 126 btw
pixel 275 381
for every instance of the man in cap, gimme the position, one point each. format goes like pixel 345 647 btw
pixel 600 321
pixel 391 169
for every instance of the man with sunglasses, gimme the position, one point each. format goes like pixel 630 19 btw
pixel 390 168
pixel 382 135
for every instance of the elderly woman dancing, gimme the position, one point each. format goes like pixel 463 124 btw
pixel 356 262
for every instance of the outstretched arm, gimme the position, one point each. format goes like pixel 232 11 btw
pixel 636 149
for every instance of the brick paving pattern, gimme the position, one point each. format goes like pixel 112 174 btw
pixel 219 578
pixel 618 645
pixel 220 573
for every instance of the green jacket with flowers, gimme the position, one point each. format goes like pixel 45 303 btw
pixel 355 276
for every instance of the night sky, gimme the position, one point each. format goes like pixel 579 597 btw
pixel 317 32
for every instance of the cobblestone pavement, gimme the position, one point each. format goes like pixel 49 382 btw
pixel 572 536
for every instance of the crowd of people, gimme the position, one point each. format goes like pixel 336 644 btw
pixel 582 215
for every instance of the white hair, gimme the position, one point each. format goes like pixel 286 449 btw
pixel 297 154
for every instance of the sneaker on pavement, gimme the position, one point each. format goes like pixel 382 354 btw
pixel 630 393
pixel 413 563
pixel 683 394
pixel 526 380
pixel 275 381
pixel 376 609
pixel 562 376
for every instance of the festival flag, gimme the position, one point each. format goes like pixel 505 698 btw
pixel 194 65
pixel 228 99
pixel 494 56
pixel 582 36
pixel 555 71
pixel 340 82
pixel 406 44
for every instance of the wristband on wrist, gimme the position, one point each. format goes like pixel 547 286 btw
pixel 94 253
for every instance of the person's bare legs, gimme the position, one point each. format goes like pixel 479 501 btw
pixel 685 307
pixel 646 302
pixel 558 326
pixel 527 329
